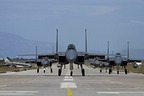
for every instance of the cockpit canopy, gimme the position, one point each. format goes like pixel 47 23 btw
pixel 118 54
pixel 71 46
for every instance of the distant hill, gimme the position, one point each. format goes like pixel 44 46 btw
pixel 12 45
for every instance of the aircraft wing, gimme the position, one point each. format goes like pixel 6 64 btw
pixel 49 55
pixel 134 60
pixel 95 55
pixel 82 56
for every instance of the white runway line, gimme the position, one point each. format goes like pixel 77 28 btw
pixel 17 93
pixel 126 92
pixel 68 85
pixel 68 82
pixel 68 78
pixel 108 92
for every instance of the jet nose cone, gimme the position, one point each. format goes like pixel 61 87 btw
pixel 118 60
pixel 71 56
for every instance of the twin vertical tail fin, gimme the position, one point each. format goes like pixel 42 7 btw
pixel 128 50
pixel 86 40
pixel 108 51
pixel 57 41
pixel 36 56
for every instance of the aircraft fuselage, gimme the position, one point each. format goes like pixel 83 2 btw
pixel 118 59
pixel 71 53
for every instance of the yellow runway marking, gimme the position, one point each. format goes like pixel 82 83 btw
pixel 69 92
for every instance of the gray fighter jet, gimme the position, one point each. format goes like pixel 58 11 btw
pixel 119 60
pixel 72 56
pixel 7 62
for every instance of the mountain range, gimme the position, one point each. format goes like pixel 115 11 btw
pixel 12 45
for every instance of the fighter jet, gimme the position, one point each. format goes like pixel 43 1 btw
pixel 72 56
pixel 15 64
pixel 45 62
pixel 42 60
pixel 119 60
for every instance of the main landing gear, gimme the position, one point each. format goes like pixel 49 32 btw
pixel 110 70
pixel 71 70
pixel 51 70
pixel 44 69
pixel 125 70
pixel 100 70
pixel 82 70
pixel 38 69
pixel 60 70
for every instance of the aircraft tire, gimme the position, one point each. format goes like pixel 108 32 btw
pixel 59 72
pixel 71 73
pixel 51 70
pixel 44 71
pixel 100 70
pixel 110 71
pixel 83 72
pixel 117 72
pixel 37 70
pixel 125 71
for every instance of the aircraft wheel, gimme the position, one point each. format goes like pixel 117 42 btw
pixel 100 70
pixel 44 71
pixel 37 70
pixel 51 70
pixel 59 72
pixel 125 71
pixel 110 71
pixel 71 73
pixel 117 72
pixel 83 72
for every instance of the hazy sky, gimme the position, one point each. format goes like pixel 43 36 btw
pixel 117 21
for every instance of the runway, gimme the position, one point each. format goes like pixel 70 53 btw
pixel 28 83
